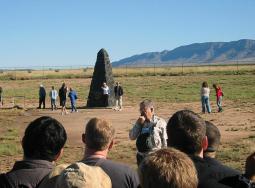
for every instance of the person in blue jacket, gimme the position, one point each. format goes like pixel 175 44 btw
pixel 73 97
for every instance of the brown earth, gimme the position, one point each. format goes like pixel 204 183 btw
pixel 235 122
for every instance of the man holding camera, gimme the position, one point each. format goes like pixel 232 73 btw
pixel 149 131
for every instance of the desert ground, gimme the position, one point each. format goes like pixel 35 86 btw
pixel 235 124
pixel 169 93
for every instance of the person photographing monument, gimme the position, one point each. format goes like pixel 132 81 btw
pixel 149 131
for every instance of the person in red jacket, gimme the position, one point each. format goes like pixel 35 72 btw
pixel 219 96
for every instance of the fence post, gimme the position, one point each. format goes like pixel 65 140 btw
pixel 24 102
pixel 237 68
pixel 182 68
pixel 13 101
pixel 15 73
pixel 126 71
pixel 154 69
pixel 43 72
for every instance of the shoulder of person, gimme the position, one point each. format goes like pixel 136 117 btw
pixel 118 166
pixel 159 121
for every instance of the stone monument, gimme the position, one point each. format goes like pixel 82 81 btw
pixel 102 73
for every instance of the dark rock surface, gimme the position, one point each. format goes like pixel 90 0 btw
pixel 102 73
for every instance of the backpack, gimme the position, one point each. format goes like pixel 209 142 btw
pixel 144 140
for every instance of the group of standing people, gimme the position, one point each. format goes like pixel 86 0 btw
pixel 62 94
pixel 118 93
pixel 205 94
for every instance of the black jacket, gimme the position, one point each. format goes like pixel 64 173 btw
pixel 118 91
pixel 210 172
pixel 238 181
pixel 26 174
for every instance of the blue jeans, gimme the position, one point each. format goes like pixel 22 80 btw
pixel 73 105
pixel 53 104
pixel 205 104
pixel 219 104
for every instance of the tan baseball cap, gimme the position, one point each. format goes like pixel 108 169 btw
pixel 77 175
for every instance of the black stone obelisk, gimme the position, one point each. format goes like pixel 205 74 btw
pixel 102 73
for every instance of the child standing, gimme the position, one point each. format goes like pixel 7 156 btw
pixel 205 92
pixel 73 97
pixel 219 95
pixel 53 98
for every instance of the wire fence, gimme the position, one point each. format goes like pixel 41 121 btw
pixel 22 94
pixel 86 71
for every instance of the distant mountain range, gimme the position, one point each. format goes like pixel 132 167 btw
pixel 242 51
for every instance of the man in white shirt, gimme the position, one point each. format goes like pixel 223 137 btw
pixel 106 92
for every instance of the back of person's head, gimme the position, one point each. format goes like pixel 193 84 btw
pixel 98 134
pixel 186 131
pixel 250 167
pixel 77 175
pixel 167 168
pixel 44 138
pixel 204 84
pixel 213 136
pixel 52 88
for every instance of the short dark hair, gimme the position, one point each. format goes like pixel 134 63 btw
pixel 167 167
pixel 44 138
pixel 98 134
pixel 213 136
pixel 186 131
pixel 250 166
pixel 204 84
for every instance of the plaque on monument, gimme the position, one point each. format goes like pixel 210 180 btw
pixel 102 74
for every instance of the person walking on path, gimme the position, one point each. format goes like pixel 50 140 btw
pixel 205 92
pixel 53 98
pixel 42 95
pixel 118 91
pixel 73 97
pixel 62 97
pixel 219 96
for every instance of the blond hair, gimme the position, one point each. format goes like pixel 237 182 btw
pixel 169 168
pixel 98 134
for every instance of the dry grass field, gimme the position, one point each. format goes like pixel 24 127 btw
pixel 170 93
pixel 69 72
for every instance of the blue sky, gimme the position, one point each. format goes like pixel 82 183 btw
pixel 71 32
